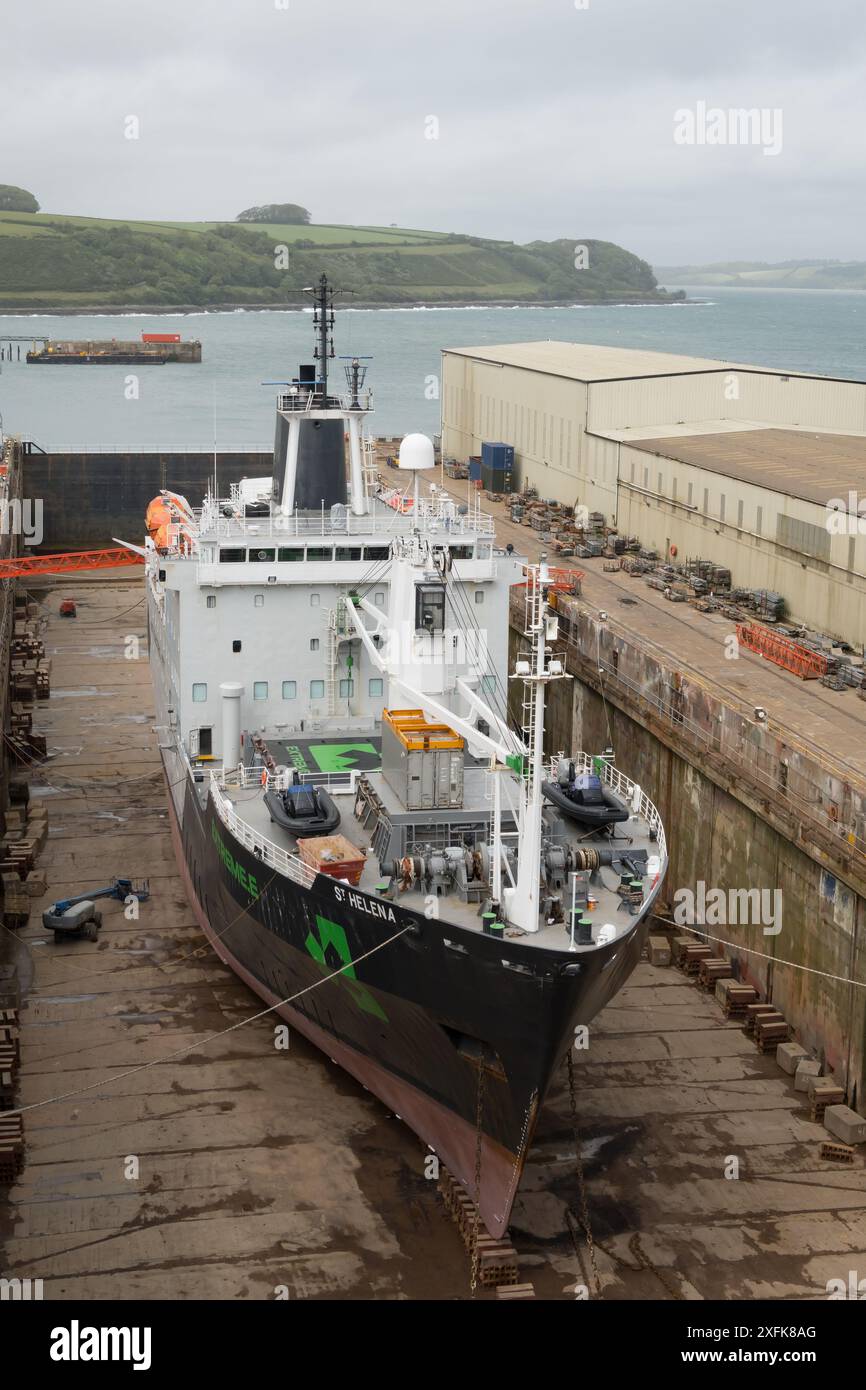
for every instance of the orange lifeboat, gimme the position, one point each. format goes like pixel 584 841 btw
pixel 157 519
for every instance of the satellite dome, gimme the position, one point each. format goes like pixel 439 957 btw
pixel 416 451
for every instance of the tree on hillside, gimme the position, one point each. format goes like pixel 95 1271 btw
pixel 14 199
pixel 285 213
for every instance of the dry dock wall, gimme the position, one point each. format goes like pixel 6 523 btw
pixel 89 498
pixel 744 807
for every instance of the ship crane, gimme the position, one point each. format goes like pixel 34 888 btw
pixel 393 654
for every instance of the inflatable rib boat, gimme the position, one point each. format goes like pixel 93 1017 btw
pixel 303 810
pixel 585 798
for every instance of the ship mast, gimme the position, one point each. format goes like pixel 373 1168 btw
pixel 522 902
pixel 323 296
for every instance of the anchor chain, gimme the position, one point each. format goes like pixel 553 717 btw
pixel 583 1216
pixel 479 1117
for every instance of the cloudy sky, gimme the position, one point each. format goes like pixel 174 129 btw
pixel 553 119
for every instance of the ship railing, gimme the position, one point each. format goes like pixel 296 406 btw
pixel 269 853
pixel 281 778
pixel 634 795
pixel 300 402
pixel 211 524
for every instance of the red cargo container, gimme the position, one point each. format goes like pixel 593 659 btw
pixel 160 337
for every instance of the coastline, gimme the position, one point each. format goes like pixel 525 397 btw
pixel 121 310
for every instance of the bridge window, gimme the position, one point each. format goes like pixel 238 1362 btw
pixel 348 552
pixel 376 552
pixel 232 556
pixel 290 553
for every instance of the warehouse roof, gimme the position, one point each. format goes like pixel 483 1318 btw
pixel 797 463
pixel 590 362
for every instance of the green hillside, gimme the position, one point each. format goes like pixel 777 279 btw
pixel 52 262
pixel 792 275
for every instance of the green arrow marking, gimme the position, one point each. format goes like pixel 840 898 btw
pixel 338 757
pixel 332 934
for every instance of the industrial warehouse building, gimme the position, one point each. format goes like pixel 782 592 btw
pixel 757 470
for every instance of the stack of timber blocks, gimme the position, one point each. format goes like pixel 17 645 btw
pixel 497 1259
pixel 23 842
pixel 11 1131
pixel 29 679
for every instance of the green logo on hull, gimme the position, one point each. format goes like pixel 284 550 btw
pixel 246 880
pixel 331 934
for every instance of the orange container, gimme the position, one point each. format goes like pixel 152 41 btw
pixel 335 856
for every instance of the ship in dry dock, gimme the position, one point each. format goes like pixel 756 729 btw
pixel 367 835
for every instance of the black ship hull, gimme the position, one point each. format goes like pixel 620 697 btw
pixel 412 1020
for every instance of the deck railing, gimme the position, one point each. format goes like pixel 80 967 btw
pixel 269 853
pixel 624 787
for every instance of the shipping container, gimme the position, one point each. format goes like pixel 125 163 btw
pixel 160 337
pixel 495 479
pixel 498 456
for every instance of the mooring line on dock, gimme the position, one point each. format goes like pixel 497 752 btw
pixel 203 1042
pixel 750 951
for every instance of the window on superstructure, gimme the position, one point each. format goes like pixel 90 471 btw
pixel 290 690
pixel 429 608
pixel 260 690
pixel 262 555
pixel 232 556
pixel 347 689
pixel 347 552
pixel 488 685
pixel 376 686
pixel 317 690
pixel 211 601
pixel 461 552
pixel 379 599
pixel 315 600
pixel 320 552
pixel 290 552
pixel 376 552
pixel 199 692
pixel 314 644
pixel 479 595
pixel 258 600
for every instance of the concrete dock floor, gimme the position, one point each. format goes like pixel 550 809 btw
pixel 261 1170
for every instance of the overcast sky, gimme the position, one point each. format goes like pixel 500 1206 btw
pixel 553 120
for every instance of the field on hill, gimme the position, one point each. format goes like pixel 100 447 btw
pixel 790 275
pixel 49 261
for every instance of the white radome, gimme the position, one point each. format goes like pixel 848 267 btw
pixel 416 451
